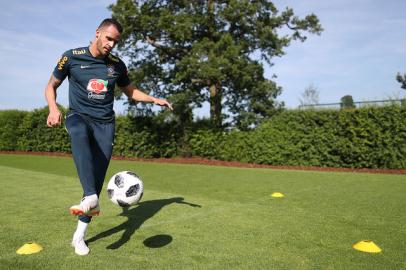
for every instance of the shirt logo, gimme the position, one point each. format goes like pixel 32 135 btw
pixel 110 70
pixel 78 52
pixel 97 89
pixel 84 66
pixel 62 62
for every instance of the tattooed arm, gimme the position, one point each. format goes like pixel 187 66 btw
pixel 55 116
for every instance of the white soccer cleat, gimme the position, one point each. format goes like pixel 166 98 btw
pixel 80 247
pixel 77 210
pixel 89 206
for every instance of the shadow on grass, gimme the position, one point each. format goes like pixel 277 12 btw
pixel 158 241
pixel 136 217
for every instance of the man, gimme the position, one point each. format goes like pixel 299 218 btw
pixel 93 73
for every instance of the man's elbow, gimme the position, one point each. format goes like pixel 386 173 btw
pixel 128 91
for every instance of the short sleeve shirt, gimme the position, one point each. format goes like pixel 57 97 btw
pixel 91 82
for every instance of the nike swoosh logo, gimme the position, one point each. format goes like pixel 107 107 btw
pixel 82 66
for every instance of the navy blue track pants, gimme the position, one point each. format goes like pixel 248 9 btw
pixel 92 146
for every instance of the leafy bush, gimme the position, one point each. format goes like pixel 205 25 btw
pixel 35 135
pixel 10 121
pixel 371 137
pixel 144 137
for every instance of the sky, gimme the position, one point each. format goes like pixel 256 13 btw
pixel 361 49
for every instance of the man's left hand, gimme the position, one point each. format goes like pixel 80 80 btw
pixel 163 102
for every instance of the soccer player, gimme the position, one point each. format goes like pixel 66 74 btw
pixel 93 73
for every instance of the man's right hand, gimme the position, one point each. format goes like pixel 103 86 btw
pixel 54 118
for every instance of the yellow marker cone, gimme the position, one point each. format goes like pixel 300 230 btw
pixel 367 246
pixel 29 248
pixel 277 195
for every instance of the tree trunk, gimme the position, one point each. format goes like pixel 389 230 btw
pixel 215 105
pixel 214 88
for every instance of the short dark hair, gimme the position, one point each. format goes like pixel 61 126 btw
pixel 110 21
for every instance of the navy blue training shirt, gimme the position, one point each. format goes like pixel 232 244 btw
pixel 91 82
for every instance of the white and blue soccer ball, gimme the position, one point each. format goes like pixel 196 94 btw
pixel 125 188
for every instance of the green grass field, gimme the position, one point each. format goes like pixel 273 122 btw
pixel 227 218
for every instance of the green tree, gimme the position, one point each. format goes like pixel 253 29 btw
pixel 212 51
pixel 347 102
pixel 401 79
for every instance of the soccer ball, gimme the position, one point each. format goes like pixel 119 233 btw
pixel 125 188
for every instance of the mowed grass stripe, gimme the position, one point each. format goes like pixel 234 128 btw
pixel 239 225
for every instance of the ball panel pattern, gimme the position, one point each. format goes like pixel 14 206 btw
pixel 123 204
pixel 119 181
pixel 110 193
pixel 133 190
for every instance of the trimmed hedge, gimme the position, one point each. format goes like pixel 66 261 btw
pixel 9 125
pixel 372 137
pixel 35 135
pixel 143 137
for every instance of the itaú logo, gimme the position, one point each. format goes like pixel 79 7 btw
pixel 97 86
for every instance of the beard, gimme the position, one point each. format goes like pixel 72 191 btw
pixel 101 49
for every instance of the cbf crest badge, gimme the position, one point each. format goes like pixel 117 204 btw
pixel 110 71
